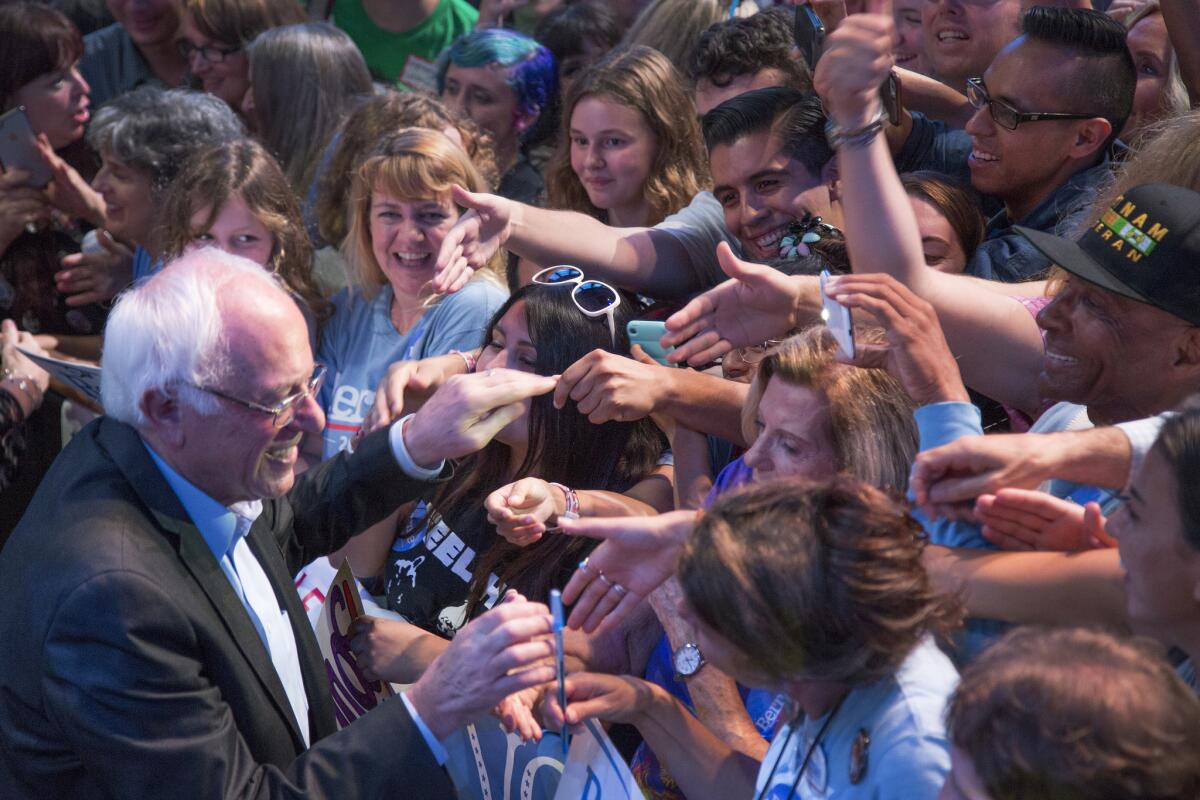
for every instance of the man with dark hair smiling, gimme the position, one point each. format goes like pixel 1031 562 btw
pixel 1036 144
pixel 768 156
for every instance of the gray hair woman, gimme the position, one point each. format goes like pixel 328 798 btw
pixel 304 80
pixel 144 139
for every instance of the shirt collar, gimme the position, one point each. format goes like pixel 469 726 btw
pixel 218 524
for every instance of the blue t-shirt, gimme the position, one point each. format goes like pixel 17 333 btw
pixel 360 342
pixel 897 722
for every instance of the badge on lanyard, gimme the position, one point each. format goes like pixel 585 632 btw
pixel 859 756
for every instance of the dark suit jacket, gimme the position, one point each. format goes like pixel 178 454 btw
pixel 131 669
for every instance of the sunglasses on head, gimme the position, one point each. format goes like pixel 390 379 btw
pixel 593 298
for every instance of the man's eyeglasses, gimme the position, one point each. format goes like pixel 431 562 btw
pixel 593 298
pixel 283 412
pixel 210 52
pixel 1005 115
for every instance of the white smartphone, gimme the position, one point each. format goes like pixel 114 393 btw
pixel 18 147
pixel 837 319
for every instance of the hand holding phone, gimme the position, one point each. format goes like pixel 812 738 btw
pixel 837 319
pixel 647 334
pixel 19 150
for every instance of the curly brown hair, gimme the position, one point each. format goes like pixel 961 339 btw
pixel 814 580
pixel 244 169
pixel 643 79
pixel 1077 714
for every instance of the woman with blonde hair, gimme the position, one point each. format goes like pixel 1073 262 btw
pixel 400 210
pixel 630 151
pixel 374 118
pixel 236 198
pixel 304 80
pixel 214 35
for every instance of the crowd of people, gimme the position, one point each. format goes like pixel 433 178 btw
pixel 491 298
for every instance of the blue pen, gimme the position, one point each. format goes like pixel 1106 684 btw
pixel 556 609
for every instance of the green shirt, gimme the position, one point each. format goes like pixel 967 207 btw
pixel 405 58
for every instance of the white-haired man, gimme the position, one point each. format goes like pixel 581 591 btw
pixel 155 644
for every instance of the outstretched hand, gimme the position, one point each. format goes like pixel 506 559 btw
pixel 947 477
pixel 96 276
pixel 494 656
pixel 637 554
pixel 468 411
pixel 1019 519
pixel 916 351
pixel 757 303
pixel 611 698
pixel 473 239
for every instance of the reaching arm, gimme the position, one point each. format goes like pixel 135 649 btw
pixel 1084 588
pixel 1183 27
pixel 996 340
pixel 715 695
pixel 641 259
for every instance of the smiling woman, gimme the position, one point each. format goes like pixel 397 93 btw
pixel 630 151
pixel 214 37
pixel 400 211
pixel 236 198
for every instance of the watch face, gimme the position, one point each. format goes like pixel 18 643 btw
pixel 688 659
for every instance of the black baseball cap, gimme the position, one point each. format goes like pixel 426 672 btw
pixel 1146 247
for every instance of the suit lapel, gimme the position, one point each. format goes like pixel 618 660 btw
pixel 312 665
pixel 165 509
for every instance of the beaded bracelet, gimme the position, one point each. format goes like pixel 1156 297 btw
pixel 855 137
pixel 572 501
pixel 467 358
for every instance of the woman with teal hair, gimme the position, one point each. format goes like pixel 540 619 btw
pixel 508 84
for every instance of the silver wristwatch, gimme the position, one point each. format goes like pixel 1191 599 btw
pixel 687 660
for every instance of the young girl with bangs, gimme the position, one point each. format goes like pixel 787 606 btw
pixel 237 199
pixel 630 152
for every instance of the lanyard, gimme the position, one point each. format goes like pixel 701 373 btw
pixel 807 755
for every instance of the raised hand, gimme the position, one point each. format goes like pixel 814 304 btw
pixel 756 303
pixel 492 657
pixel 468 410
pixel 473 240
pixel 637 554
pixel 68 191
pixel 855 62
pixel 606 386
pixel 96 276
pixel 916 351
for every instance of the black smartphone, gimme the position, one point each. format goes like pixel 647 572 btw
pixel 18 147
pixel 809 34
pixel 890 94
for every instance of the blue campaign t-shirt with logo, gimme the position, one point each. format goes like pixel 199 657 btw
pixel 887 741
pixel 360 342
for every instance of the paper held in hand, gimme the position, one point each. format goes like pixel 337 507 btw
pixel 353 694
pixel 595 770
pixel 80 376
